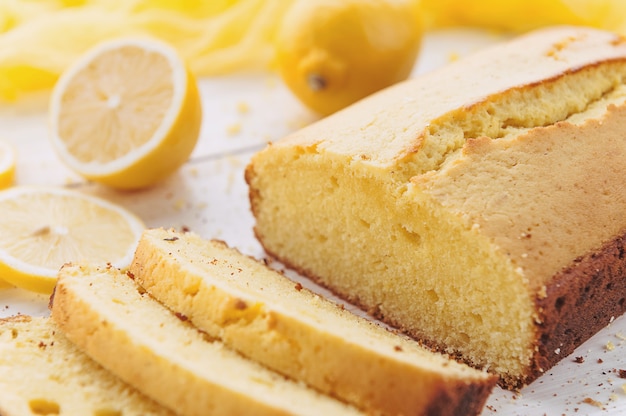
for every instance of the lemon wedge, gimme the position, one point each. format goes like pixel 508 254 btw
pixel 42 228
pixel 126 114
pixel 7 164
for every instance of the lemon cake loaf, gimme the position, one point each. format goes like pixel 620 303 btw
pixel 273 320
pixel 479 207
pixel 115 322
pixel 42 373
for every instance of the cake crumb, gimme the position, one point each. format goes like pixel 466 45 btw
pixel 610 346
pixel 589 400
pixel 618 41
pixel 298 286
pixel 242 107
pixel 233 129
pixel 621 373
pixel 579 360
pixel 179 204
pixel 181 316
pixel 543 292
pixel 453 56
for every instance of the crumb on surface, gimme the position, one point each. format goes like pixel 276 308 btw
pixel 179 204
pixel 592 402
pixel 233 129
pixel 243 107
pixel 453 56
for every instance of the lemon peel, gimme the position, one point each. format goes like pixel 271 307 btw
pixel 8 162
pixel 331 54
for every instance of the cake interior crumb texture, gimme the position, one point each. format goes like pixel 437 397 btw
pixel 42 373
pixel 119 325
pixel 265 316
pixel 480 207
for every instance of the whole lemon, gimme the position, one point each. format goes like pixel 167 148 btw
pixel 331 53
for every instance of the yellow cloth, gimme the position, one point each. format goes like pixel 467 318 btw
pixel 40 38
pixel 523 15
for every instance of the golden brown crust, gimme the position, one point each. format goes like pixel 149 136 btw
pixel 468 400
pixel 580 300
pixel 17 319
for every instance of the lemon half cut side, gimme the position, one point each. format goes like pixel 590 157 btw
pixel 126 114
pixel 42 228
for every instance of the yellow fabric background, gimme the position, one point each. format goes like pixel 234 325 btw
pixel 39 38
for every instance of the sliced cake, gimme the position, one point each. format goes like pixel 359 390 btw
pixel 275 321
pixel 115 322
pixel 42 373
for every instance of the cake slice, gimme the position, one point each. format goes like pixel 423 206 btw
pixel 42 373
pixel 115 322
pixel 275 321
pixel 479 207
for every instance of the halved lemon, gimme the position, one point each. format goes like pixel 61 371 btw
pixel 126 114
pixel 7 164
pixel 42 228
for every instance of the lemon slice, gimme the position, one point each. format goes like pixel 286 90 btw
pixel 42 228
pixel 7 164
pixel 127 114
